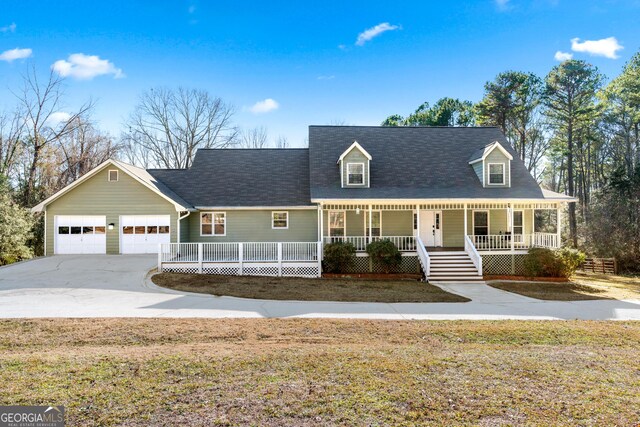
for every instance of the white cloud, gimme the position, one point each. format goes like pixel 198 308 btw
pixel 192 8
pixel 11 28
pixel 264 106
pixel 503 4
pixel 13 54
pixel 85 67
pixel 57 118
pixel 604 47
pixel 372 32
pixel 331 77
pixel 563 56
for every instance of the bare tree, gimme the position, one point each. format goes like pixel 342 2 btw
pixel 254 137
pixel 171 125
pixel 11 127
pixel 38 103
pixel 82 150
pixel 282 142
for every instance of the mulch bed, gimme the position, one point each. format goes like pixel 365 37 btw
pixel 373 276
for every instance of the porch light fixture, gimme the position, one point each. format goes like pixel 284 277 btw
pixel 111 225
pixel 357 211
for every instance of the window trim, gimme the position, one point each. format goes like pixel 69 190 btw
pixel 473 221
pixel 273 227
pixel 363 183
pixel 344 213
pixel 213 223
pixel 366 222
pixel 504 172
pixel 117 175
pixel 513 222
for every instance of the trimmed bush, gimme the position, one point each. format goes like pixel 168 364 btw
pixel 338 257
pixel 385 253
pixel 541 262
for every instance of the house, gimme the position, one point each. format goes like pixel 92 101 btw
pixel 457 201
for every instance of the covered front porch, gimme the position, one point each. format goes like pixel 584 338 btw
pixel 490 226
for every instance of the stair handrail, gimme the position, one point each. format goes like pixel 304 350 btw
pixel 423 257
pixel 471 250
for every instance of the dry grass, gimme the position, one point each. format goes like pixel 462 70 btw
pixel 583 286
pixel 190 372
pixel 298 289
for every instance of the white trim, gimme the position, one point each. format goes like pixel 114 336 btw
pixel 213 223
pixel 431 201
pixel 117 175
pixel 504 171
pixel 39 207
pixel 255 208
pixel 351 147
pixel 473 221
pixel 273 219
pixel 369 213
pixel 513 221
pixel 488 151
pixel 344 213
pixel 348 184
pixel 45 231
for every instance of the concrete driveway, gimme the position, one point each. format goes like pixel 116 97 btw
pixel 117 286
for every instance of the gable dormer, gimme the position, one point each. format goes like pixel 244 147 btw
pixel 354 165
pixel 492 165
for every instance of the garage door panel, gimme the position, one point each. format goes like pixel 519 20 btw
pixel 143 233
pixel 80 234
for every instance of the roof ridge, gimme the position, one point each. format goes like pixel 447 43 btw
pixel 404 127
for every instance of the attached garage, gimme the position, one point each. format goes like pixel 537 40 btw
pixel 141 234
pixel 76 234
pixel 114 209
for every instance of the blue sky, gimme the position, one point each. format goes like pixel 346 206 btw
pixel 304 56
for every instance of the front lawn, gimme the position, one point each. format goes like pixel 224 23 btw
pixel 193 372
pixel 583 286
pixel 299 289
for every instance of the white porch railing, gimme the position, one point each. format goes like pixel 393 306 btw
pixel 470 249
pixel 252 259
pixel 403 243
pixel 423 257
pixel 502 242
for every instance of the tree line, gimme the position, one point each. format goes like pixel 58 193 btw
pixel 577 134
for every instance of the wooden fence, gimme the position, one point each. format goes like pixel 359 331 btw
pixel 600 265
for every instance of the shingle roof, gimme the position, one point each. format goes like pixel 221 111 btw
pixel 242 177
pixel 414 163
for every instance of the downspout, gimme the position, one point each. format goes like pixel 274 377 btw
pixel 180 218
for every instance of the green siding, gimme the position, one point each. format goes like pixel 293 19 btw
pixel 498 221
pixel 98 196
pixel 397 223
pixel 528 222
pixel 255 226
pixel 496 156
pixel 355 156
pixel 184 229
pixel 453 228
pixel 355 223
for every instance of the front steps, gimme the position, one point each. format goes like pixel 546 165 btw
pixel 453 267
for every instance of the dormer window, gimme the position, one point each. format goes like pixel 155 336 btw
pixel 496 174
pixel 355 167
pixel 355 173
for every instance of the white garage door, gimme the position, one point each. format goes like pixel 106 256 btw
pixel 76 234
pixel 141 234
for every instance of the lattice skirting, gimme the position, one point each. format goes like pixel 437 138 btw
pixel 503 264
pixel 363 264
pixel 298 269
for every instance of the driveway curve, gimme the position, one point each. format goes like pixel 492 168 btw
pixel 118 286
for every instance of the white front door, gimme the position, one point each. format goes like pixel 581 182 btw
pixel 431 228
pixel 80 234
pixel 141 234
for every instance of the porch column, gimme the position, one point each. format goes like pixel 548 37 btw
pixel 417 221
pixel 558 225
pixel 370 223
pixel 466 229
pixel 321 223
pixel 511 227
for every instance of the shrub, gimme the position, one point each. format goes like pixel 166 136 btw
pixel 338 257
pixel 385 253
pixel 15 229
pixel 541 262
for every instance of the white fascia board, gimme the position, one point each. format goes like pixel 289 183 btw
pixel 427 201
pixel 256 208
pixel 351 147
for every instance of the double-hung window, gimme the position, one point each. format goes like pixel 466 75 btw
pixel 279 220
pixel 375 223
pixel 355 173
pixel 480 223
pixel 496 173
pixel 213 224
pixel 336 223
